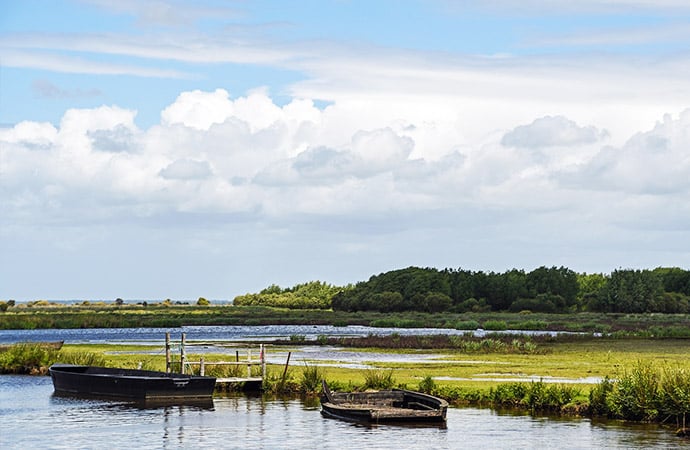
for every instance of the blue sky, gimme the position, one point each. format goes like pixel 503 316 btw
pixel 182 149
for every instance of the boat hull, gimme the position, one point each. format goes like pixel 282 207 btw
pixel 391 406
pixel 129 383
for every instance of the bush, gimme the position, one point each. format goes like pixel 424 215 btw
pixel 532 325
pixel 635 395
pixel 202 302
pixel 598 398
pixel 495 325
pixel 466 325
pixel 674 394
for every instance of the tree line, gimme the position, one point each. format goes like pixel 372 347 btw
pixel 545 289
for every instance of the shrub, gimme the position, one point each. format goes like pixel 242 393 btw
pixel 466 325
pixel 635 395
pixel 532 325
pixel 495 325
pixel 674 394
pixel 599 398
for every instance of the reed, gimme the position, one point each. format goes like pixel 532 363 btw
pixel 378 379
pixel 427 385
pixel 277 382
pixel 310 382
pixel 27 358
pixel 82 358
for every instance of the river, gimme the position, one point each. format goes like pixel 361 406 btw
pixel 32 417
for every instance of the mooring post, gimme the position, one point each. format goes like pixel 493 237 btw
pixel 167 353
pixel 201 366
pixel 263 361
pixel 249 362
pixel 287 363
pixel 183 357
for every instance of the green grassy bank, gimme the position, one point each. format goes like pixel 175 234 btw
pixel 45 315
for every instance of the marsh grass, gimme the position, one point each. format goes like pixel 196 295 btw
pixel 378 379
pixel 82 358
pixel 27 358
pixel 280 382
pixel 427 385
pixel 465 343
pixel 94 315
pixel 312 376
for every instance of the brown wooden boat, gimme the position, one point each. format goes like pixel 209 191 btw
pixel 389 406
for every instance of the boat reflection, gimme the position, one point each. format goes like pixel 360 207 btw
pixel 101 402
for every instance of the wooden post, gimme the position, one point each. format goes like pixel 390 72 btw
pixel 286 366
pixel 249 362
pixel 263 361
pixel 201 367
pixel 167 353
pixel 183 357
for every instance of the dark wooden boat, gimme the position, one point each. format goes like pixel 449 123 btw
pixel 130 384
pixel 389 406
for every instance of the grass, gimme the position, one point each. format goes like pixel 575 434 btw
pixel 105 315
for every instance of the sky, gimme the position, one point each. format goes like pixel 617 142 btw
pixel 179 149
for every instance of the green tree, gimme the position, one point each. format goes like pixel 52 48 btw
pixel 631 291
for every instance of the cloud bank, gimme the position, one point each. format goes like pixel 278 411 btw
pixel 249 155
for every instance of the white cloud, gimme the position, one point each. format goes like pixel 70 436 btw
pixel 655 162
pixel 186 169
pixel 198 109
pixel 552 131
pixel 296 161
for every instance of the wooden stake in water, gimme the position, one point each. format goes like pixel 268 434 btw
pixel 183 357
pixel 168 363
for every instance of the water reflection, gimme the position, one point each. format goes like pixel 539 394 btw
pixel 58 398
pixel 32 417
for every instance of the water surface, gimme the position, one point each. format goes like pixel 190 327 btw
pixel 32 417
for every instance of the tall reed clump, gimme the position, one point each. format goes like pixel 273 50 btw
pixel 82 358
pixel 279 382
pixel 645 393
pixel 378 379
pixel 427 385
pixel 310 383
pixel 27 358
